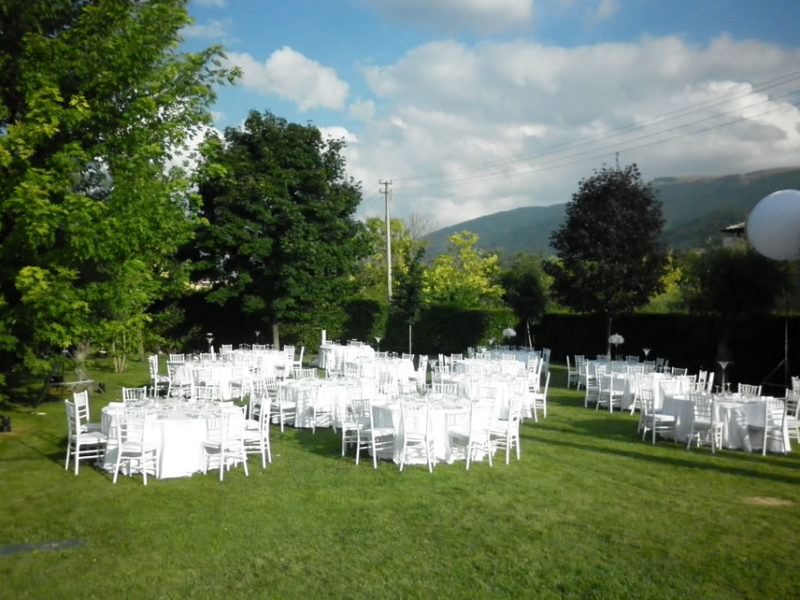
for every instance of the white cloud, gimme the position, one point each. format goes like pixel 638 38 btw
pixel 470 130
pixel 363 110
pixel 606 8
pixel 337 133
pixel 212 3
pixel 216 29
pixel 290 75
pixel 480 16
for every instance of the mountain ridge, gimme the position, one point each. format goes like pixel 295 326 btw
pixel 695 209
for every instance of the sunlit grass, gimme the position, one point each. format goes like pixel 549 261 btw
pixel 589 512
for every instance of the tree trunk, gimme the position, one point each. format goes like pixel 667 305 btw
pixel 409 338
pixel 276 339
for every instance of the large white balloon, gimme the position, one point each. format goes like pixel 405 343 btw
pixel 773 226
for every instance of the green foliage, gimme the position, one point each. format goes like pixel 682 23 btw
pixel 281 244
pixel 443 328
pixel 525 284
pixel 366 318
pixel 94 101
pixel 670 298
pixel 371 277
pixel 465 276
pixel 609 258
pixel 733 282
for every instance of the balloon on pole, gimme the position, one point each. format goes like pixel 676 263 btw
pixel 773 226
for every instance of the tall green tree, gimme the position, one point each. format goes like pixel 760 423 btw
pixel 281 245
pixel 609 257
pixel 94 102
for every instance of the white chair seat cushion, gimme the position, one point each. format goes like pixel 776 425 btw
pixel 91 437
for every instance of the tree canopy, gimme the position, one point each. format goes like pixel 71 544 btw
pixel 465 276
pixel 94 101
pixel 525 289
pixel 733 282
pixel 609 258
pixel 372 274
pixel 281 244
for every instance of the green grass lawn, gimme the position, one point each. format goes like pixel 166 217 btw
pixel 589 512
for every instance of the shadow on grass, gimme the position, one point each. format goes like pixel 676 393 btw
pixel 50 440
pixel 690 462
pixel 323 443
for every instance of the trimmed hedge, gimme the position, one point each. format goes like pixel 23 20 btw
pixel 755 345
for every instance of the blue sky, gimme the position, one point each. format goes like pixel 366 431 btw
pixel 476 106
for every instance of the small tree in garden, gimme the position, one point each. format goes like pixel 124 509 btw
pixel 371 277
pixel 407 299
pixel 525 290
pixel 465 276
pixel 609 259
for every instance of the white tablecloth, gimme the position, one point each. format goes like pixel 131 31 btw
pixel 735 414
pixel 661 383
pixel 179 432
pixel 444 413
pixel 333 356
pixel 325 392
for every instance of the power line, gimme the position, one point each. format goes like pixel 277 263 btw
pixel 565 151
pixel 648 139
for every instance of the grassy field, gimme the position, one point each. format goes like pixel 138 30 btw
pixel 589 512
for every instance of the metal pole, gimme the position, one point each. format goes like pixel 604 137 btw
pixel 386 195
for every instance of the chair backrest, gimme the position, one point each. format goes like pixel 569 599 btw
pixel 137 393
pixel 446 389
pixel 710 382
pixel 387 384
pixel 746 389
pixel 305 373
pixel 480 419
pixel 792 402
pixel 133 427
pixel 177 357
pixel 73 425
pixel 208 392
pixel 352 369
pixel 646 399
pixel 415 418
pixel 487 393
pixel 702 407
pixel 81 401
pixel 774 413
pixel 152 363
pixel 546 385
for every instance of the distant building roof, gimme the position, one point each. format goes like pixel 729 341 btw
pixel 735 229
